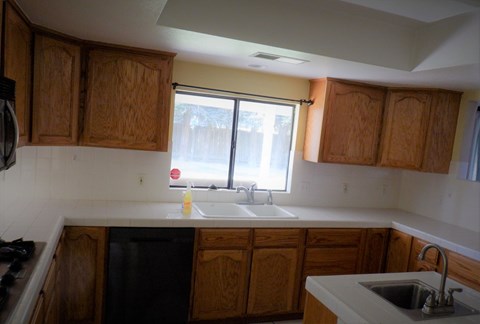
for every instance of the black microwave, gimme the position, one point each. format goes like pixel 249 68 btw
pixel 8 124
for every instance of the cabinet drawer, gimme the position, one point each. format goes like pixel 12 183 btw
pixel 224 238
pixel 335 237
pixel 277 237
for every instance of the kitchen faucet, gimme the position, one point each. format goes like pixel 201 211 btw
pixel 250 192
pixel 439 304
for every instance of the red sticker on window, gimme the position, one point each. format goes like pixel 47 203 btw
pixel 175 174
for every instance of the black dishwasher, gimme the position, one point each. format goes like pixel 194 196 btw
pixel 149 273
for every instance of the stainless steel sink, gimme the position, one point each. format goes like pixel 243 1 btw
pixel 409 296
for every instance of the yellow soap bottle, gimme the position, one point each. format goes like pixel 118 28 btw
pixel 187 201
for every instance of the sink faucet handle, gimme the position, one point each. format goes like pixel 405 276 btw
pixel 270 197
pixel 253 186
pixel 450 299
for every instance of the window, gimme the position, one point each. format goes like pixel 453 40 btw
pixel 231 141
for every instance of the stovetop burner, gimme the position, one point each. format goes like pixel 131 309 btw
pixel 17 259
pixel 17 249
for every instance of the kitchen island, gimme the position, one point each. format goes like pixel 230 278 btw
pixel 44 220
pixel 352 303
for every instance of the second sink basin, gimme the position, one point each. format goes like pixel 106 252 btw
pixel 269 211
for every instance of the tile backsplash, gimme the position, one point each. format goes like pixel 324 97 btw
pixel 112 174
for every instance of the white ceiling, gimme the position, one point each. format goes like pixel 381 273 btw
pixel 434 43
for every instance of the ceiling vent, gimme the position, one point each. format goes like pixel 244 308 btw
pixel 278 58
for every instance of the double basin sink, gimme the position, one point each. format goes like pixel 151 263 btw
pixel 232 210
pixel 409 296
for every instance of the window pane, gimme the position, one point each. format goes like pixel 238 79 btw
pixel 263 145
pixel 202 136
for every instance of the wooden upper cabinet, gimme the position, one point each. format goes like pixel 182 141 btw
pixel 56 89
pixel 405 128
pixel 419 129
pixel 128 99
pixel 17 62
pixel 344 123
pixel 441 131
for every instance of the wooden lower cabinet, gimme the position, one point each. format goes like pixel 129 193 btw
pixel 274 275
pixel 464 270
pixel 83 274
pixel 431 257
pixel 332 252
pixel 398 255
pixel 220 284
pixel 375 250
pixel 317 313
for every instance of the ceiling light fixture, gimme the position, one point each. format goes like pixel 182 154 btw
pixel 278 58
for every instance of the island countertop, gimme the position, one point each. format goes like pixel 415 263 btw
pixel 352 303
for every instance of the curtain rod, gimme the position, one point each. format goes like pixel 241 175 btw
pixel 301 101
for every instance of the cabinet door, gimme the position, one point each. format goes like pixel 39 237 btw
pixel 17 61
pixel 375 250
pixel 220 287
pixel 398 252
pixel 55 92
pixel 405 129
pixel 128 100
pixel 430 261
pixel 353 120
pixel 464 270
pixel 83 274
pixel 272 281
pixel 38 316
pixel 441 132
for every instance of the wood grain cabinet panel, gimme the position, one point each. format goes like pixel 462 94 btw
pixel 376 247
pixel 317 313
pixel 430 261
pixel 128 100
pixel 332 251
pixel 56 90
pixel 407 114
pixel 464 270
pixel 38 316
pixel 344 123
pixel 398 255
pixel 441 131
pixel 83 274
pixel 273 281
pixel 226 238
pixel 17 62
pixel 220 286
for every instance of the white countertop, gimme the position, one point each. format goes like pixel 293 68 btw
pixel 353 303
pixel 43 220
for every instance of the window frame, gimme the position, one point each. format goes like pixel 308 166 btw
pixel 233 143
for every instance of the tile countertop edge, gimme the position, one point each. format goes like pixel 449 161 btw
pixel 26 304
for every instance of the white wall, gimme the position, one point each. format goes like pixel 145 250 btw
pixel 112 174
